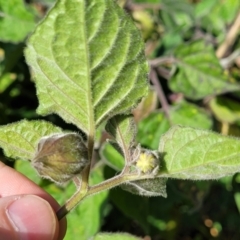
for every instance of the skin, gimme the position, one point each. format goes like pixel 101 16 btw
pixel 26 210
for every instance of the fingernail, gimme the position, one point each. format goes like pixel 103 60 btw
pixel 32 218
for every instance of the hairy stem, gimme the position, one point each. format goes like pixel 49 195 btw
pixel 105 185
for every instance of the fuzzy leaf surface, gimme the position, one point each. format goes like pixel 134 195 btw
pixel 19 140
pixel 88 60
pixel 198 72
pixel 147 187
pixel 123 129
pixel 15 21
pixel 188 153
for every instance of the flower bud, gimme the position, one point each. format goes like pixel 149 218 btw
pixel 60 157
pixel 145 160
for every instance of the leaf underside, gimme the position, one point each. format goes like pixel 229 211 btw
pixel 123 129
pixel 188 153
pixel 147 187
pixel 88 60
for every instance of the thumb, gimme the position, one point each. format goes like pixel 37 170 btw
pixel 27 217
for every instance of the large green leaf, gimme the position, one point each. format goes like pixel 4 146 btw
pixel 188 153
pixel 198 72
pixel 15 21
pixel 19 140
pixel 89 63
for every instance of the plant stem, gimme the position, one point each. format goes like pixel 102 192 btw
pixel 160 92
pixel 108 184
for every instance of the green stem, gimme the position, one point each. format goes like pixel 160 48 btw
pixel 76 198
pixel 84 192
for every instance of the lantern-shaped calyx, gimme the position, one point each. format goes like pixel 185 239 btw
pixel 60 157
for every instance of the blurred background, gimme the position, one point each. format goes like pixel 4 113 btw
pixel 193 48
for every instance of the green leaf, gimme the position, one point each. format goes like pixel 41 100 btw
pixel 190 115
pixel 215 16
pixel 198 73
pixel 151 128
pixel 237 200
pixel 188 153
pixel 146 106
pixel 114 236
pixel 147 187
pixel 88 60
pixel 19 140
pixel 16 21
pixel 176 6
pixel 225 110
pixel 123 129
pixel 112 157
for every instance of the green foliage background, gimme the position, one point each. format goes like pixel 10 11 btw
pixel 194 88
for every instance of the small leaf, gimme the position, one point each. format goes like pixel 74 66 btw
pixel 60 157
pixel 199 73
pixel 225 110
pixel 151 128
pixel 237 200
pixel 147 187
pixel 19 140
pixel 146 106
pixel 15 21
pixel 123 129
pixel 88 60
pixel 190 115
pixel 188 153
pixel 112 157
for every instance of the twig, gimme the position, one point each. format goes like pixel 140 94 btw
pixel 165 73
pixel 162 60
pixel 229 61
pixel 230 38
pixel 160 93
